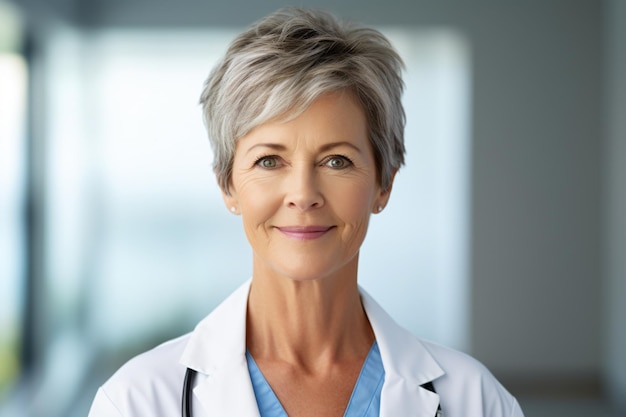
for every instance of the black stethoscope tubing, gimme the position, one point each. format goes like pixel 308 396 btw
pixel 188 385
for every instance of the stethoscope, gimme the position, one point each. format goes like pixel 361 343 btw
pixel 188 385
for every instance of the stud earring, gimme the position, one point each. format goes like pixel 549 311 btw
pixel 379 209
pixel 233 209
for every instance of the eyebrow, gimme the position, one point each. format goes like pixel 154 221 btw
pixel 324 148
pixel 274 146
pixel 333 145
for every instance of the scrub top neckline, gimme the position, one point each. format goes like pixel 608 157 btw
pixel 364 401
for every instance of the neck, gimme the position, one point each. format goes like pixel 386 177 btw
pixel 307 322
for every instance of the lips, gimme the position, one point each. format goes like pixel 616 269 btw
pixel 304 232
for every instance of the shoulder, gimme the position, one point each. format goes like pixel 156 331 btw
pixel 148 384
pixel 468 385
pixel 464 385
pixel 155 364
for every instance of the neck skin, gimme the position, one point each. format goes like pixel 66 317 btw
pixel 309 323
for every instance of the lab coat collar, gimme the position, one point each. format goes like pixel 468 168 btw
pixel 407 363
pixel 217 351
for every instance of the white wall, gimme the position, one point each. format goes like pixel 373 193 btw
pixel 615 224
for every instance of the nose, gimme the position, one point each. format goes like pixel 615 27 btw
pixel 303 190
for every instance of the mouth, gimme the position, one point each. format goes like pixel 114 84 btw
pixel 304 232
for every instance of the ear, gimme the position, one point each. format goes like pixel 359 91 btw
pixel 383 195
pixel 230 199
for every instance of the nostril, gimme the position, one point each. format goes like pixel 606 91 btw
pixel 305 202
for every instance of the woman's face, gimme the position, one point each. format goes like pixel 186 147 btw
pixel 305 189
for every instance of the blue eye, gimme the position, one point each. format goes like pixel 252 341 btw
pixel 267 162
pixel 338 162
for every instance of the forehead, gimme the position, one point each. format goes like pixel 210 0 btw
pixel 331 117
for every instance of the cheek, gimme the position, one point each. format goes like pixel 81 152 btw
pixel 257 204
pixel 354 205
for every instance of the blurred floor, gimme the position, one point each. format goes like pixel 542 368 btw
pixel 542 407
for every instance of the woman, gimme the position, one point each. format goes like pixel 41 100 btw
pixel 306 124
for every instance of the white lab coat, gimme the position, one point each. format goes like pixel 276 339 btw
pixel 150 385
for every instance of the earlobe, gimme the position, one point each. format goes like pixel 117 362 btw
pixel 230 200
pixel 384 194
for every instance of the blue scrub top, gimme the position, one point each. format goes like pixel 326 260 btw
pixel 364 402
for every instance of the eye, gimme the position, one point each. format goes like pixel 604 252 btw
pixel 338 162
pixel 267 162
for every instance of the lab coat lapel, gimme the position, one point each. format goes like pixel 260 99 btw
pixel 217 351
pixel 407 363
pixel 227 393
pixel 403 398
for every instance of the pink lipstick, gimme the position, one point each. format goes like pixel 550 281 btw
pixel 304 232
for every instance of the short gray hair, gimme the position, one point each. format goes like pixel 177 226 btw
pixel 281 64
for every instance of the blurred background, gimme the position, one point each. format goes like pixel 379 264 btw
pixel 505 236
